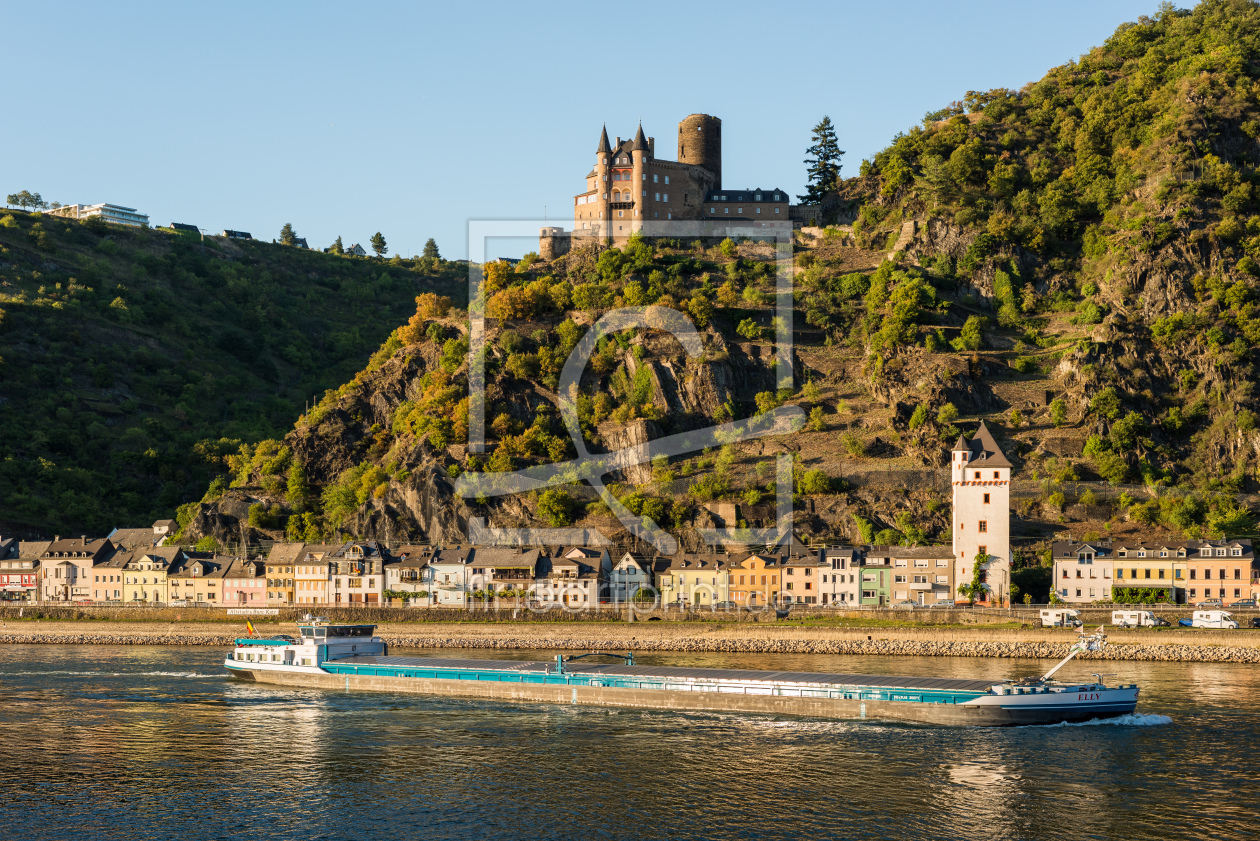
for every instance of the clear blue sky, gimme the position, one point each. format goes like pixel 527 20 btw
pixel 410 119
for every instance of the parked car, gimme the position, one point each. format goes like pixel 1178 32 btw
pixel 943 606
pixel 1210 603
pixel 1186 623
pixel 1247 604
pixel 724 605
pixel 1255 621
pixel 906 605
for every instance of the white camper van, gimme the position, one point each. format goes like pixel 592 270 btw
pixel 1136 619
pixel 1213 619
pixel 1060 617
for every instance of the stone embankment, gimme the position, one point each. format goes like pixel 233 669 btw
pixel 1039 643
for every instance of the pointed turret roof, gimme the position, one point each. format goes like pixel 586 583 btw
pixel 984 447
pixel 961 446
pixel 604 145
pixel 640 142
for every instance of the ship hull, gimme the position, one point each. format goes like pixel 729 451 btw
pixel 952 714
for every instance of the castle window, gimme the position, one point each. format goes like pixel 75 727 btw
pixel 776 196
pixel 658 197
pixel 711 210
pixel 666 195
pixel 984 525
pixel 776 210
pixel 645 176
pixel 739 210
pixel 996 475
pixel 654 178
pixel 986 499
pixel 759 210
pixel 621 213
pixel 666 179
pixel 726 210
pixel 758 197
pixel 977 474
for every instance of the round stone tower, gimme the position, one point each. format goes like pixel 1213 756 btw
pixel 700 143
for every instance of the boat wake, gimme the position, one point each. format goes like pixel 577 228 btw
pixel 118 674
pixel 1130 720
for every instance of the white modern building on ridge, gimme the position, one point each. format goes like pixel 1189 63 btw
pixel 115 213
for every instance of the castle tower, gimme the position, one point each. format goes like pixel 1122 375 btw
pixel 980 475
pixel 639 154
pixel 603 166
pixel 700 143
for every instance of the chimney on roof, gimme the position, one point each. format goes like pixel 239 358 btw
pixel 84 539
pixel 56 538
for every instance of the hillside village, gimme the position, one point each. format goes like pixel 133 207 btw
pixel 144 567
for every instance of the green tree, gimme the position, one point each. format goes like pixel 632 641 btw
pixel 971 337
pixel 337 247
pixel 701 310
pixel 299 492
pixel 749 330
pixel 555 507
pixel 1058 411
pixel 26 199
pixel 824 163
pixel 973 589
pixel 919 417
pixel 378 244
pixel 287 237
pixel 431 250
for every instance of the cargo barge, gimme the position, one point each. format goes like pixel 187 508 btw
pixel 346 657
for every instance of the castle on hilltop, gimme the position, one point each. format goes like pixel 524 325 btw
pixel 629 189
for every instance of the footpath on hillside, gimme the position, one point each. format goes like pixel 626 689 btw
pixel 1165 644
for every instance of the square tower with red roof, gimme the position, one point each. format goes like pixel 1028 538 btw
pixel 980 475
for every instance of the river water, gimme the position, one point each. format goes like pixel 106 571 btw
pixel 156 743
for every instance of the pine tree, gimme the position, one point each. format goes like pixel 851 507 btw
pixel 431 250
pixel 378 244
pixel 337 247
pixel 824 163
pixel 287 237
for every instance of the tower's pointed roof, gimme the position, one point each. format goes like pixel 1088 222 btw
pixel 604 145
pixel 984 447
pixel 640 142
pixel 961 445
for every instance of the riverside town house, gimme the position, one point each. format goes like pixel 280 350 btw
pixel 94 571
pixel 1168 571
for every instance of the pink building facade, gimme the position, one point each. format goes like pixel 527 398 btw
pixel 245 584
